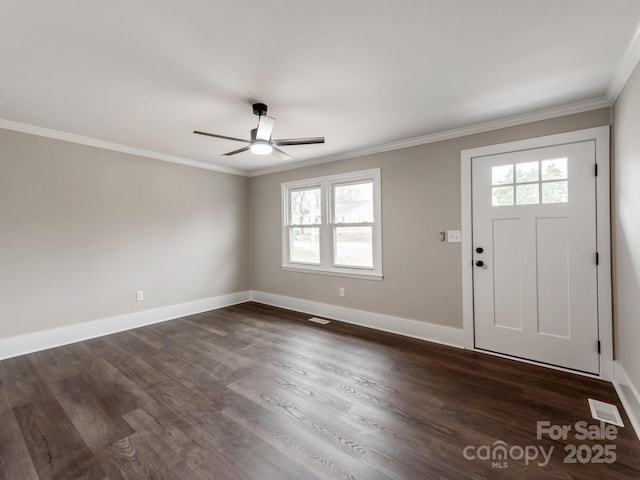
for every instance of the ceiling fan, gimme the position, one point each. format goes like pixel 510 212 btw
pixel 261 142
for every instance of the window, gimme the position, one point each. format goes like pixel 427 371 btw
pixel 332 224
pixel 528 183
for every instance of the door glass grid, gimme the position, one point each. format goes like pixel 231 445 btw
pixel 530 183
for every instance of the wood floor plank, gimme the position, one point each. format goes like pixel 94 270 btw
pixel 56 448
pixel 294 409
pixel 61 362
pixel 321 457
pixel 212 448
pixel 182 455
pixel 85 408
pixel 212 346
pixel 174 363
pixel 15 461
pixel 117 393
pixel 316 392
pixel 22 381
pixel 294 344
pixel 252 392
pixel 131 458
pixel 258 459
pixel 138 371
pixel 204 322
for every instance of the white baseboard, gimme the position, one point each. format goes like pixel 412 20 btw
pixel 42 340
pixel 55 337
pixel 387 323
pixel 628 394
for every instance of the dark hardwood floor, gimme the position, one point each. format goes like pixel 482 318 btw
pixel 255 392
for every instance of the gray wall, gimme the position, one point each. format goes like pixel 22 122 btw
pixel 81 229
pixel 626 227
pixel 420 197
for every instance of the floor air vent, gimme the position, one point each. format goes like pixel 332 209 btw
pixel 606 412
pixel 321 321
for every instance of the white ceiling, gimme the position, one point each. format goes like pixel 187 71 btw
pixel 146 73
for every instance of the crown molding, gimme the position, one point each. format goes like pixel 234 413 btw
pixel 554 112
pixel 569 109
pixel 94 142
pixel 626 67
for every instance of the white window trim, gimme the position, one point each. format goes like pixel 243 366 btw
pixel 326 266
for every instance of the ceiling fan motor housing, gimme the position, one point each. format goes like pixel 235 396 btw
pixel 259 109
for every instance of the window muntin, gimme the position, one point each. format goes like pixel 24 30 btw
pixel 530 183
pixel 332 224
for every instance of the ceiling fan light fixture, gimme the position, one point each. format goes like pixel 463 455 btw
pixel 261 147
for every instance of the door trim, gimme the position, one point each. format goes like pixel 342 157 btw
pixel 603 232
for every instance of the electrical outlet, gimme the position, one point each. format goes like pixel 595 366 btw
pixel 341 291
pixel 139 296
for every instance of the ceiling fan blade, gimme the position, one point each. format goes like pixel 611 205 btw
pixel 265 127
pixel 280 154
pixel 220 136
pixel 298 141
pixel 240 150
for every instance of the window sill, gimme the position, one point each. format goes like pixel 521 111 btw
pixel 365 275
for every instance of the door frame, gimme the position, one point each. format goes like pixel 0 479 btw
pixel 603 235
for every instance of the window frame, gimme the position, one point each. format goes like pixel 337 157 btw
pixel 327 265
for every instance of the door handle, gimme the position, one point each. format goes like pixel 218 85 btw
pixel 479 263
pixel 479 250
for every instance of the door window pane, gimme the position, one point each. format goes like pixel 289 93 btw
pixel 527 194
pixel 354 246
pixel 554 169
pixel 353 203
pixel 527 172
pixel 548 177
pixel 305 207
pixel 502 196
pixel 304 244
pixel 502 174
pixel 555 192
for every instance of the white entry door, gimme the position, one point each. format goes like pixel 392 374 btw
pixel 534 254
